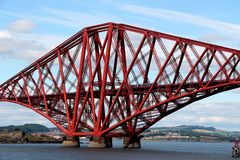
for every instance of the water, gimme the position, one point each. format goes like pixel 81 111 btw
pixel 149 151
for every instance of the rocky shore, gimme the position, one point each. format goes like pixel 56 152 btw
pixel 20 137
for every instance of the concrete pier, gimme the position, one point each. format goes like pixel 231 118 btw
pixel 71 142
pixel 132 142
pixel 100 142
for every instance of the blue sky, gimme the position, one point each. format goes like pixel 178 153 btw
pixel 28 29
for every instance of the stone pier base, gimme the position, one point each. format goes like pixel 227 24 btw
pixel 132 142
pixel 71 142
pixel 100 142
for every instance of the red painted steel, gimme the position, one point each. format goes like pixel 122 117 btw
pixel 118 80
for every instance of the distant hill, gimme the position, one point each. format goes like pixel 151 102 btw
pixel 27 128
pixel 195 132
pixel 184 128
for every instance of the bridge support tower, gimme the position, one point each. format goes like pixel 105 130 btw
pixel 100 142
pixel 71 142
pixel 132 142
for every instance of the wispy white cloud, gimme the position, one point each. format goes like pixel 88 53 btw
pixel 18 48
pixel 67 18
pixel 12 114
pixel 223 27
pixel 17 41
pixel 5 34
pixel 219 119
pixel 22 26
pixel 79 18
pixel 35 17
pixel 216 114
pixel 214 37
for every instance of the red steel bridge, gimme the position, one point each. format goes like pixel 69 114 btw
pixel 117 80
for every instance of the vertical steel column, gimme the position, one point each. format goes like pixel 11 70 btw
pixel 64 88
pixel 104 79
pixel 79 80
pixel 42 86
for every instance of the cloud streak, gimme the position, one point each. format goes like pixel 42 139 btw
pixel 67 18
pixel 22 26
pixel 17 41
pixel 223 27
pixel 12 114
pixel 205 113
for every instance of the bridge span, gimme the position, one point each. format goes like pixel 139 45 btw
pixel 116 80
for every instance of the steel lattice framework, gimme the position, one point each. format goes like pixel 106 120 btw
pixel 118 80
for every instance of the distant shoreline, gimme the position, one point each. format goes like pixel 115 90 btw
pixel 36 133
pixel 19 137
pixel 174 140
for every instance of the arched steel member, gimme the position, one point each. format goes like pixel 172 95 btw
pixel 116 80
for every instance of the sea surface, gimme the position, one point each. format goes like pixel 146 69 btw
pixel 149 151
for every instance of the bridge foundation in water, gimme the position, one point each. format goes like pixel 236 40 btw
pixel 100 142
pixel 132 142
pixel 71 142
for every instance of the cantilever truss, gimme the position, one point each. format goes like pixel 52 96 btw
pixel 118 80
